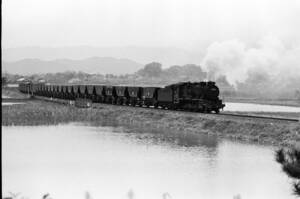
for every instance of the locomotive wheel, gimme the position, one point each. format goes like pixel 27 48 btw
pixel 172 107
pixel 208 110
pixel 193 110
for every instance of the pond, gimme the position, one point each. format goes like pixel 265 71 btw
pixel 5 96
pixel 78 161
pixel 11 103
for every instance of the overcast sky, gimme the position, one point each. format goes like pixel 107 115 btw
pixel 181 23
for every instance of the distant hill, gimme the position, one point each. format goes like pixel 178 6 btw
pixel 102 65
pixel 165 55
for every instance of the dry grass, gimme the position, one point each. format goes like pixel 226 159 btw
pixel 13 93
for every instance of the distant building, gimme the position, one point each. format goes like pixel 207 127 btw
pixel 41 81
pixel 74 80
pixel 22 79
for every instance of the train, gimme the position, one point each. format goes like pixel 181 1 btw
pixel 189 96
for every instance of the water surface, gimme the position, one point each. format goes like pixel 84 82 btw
pixel 5 96
pixel 251 107
pixel 108 162
pixel 11 103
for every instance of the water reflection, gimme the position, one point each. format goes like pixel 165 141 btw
pixel 193 143
pixel 68 160
pixel 156 136
pixel 161 136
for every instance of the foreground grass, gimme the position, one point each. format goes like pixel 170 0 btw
pixel 130 195
pixel 47 113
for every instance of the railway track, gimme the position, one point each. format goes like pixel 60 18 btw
pixel 221 114
pixel 261 117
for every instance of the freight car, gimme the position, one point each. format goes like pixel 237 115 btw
pixel 149 96
pixel 135 95
pixel 191 96
pixel 122 95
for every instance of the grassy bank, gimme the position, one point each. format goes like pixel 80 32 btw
pixel 13 93
pixel 47 113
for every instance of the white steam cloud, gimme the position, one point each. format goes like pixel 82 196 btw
pixel 237 61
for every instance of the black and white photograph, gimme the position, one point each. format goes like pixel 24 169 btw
pixel 150 99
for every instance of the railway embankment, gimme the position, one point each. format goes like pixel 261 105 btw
pixel 268 131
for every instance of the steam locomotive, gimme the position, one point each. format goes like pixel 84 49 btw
pixel 190 96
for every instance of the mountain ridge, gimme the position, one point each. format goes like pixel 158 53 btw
pixel 102 65
pixel 166 55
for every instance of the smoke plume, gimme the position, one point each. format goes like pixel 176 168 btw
pixel 269 68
